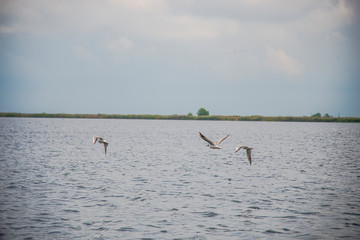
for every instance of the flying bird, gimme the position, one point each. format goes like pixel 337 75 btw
pixel 101 140
pixel 248 151
pixel 211 144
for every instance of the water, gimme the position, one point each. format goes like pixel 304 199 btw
pixel 160 181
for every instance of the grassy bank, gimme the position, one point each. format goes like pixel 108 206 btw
pixel 184 117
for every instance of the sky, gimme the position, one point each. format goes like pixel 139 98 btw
pixel 231 57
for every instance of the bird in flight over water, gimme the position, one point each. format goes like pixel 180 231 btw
pixel 211 144
pixel 248 151
pixel 101 140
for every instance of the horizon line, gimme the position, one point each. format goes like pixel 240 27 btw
pixel 313 118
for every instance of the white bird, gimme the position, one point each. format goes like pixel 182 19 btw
pixel 248 151
pixel 101 140
pixel 211 144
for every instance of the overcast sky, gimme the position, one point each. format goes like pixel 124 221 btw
pixel 232 57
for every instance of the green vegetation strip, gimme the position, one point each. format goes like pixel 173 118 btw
pixel 184 117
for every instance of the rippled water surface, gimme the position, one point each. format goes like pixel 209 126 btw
pixel 159 180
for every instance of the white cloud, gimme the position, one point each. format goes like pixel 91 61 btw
pixel 278 61
pixel 119 45
pixel 326 19
pixel 139 5
pixel 190 28
pixel 244 10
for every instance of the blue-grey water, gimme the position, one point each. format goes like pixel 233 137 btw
pixel 159 180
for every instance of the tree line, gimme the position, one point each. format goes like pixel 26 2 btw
pixel 188 117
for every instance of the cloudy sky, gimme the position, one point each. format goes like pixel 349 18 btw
pixel 232 57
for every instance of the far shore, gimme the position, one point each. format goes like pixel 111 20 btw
pixel 185 117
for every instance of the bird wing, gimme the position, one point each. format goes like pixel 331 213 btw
pixel 95 139
pixel 205 138
pixel 105 146
pixel 248 153
pixel 238 148
pixel 220 140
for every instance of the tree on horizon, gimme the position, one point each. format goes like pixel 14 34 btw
pixel 203 112
pixel 316 115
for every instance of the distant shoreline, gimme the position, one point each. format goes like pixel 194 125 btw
pixel 185 117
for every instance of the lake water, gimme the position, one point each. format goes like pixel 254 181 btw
pixel 159 180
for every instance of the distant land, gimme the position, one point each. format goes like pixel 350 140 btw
pixel 185 117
